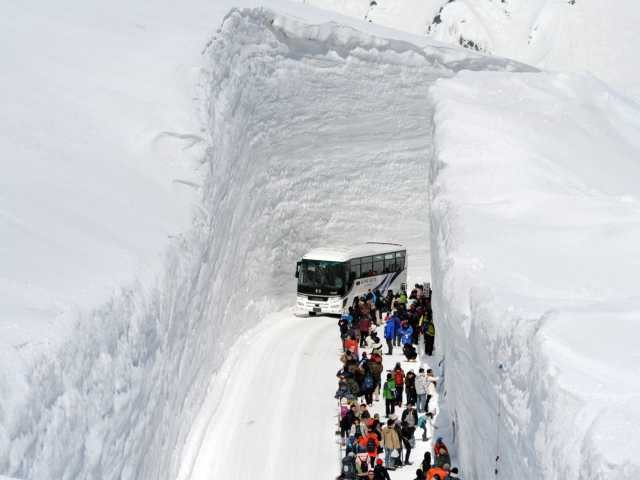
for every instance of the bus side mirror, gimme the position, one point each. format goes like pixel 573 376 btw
pixel 297 269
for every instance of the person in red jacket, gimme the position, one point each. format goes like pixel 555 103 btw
pixel 364 325
pixel 351 344
pixel 370 444
pixel 398 376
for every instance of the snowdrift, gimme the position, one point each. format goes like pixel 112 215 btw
pixel 535 228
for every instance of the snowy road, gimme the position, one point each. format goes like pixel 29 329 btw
pixel 270 410
pixel 337 139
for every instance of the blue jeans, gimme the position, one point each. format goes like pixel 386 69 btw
pixel 422 402
pixel 387 457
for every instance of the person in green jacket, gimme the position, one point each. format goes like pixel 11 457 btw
pixel 389 394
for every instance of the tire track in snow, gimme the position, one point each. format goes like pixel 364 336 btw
pixel 275 372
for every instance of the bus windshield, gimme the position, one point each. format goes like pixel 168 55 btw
pixel 322 277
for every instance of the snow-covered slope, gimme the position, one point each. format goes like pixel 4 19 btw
pixel 536 227
pixel 568 35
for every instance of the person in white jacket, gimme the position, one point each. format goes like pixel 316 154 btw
pixel 421 390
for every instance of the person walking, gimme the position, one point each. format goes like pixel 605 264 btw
pixel 379 472
pixel 408 441
pixel 396 322
pixel 425 422
pixel 429 337
pixel 398 376
pixel 376 344
pixel 410 415
pixel 379 303
pixel 426 462
pixel 367 387
pixel 410 387
pixel 370 444
pixel 432 391
pixel 421 390
pixel 389 394
pixel 441 453
pixel 390 441
pixel 348 467
pixel 437 473
pixel 364 325
pixel 390 333
pixel 346 422
pixel 406 333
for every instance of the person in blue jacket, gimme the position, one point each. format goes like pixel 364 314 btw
pixel 406 333
pixel 396 321
pixel 390 333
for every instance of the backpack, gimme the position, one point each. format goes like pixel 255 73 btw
pixel 398 377
pixel 371 445
pixel 375 368
pixel 430 329
pixel 368 382
pixel 348 468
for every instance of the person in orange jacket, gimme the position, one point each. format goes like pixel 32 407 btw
pixel 370 444
pixel 437 471
pixel 351 344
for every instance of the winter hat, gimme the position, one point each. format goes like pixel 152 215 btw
pixel 454 470
pixel 379 461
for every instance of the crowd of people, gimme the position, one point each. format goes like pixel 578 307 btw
pixel 372 445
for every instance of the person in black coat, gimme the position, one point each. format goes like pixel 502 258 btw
pixel 406 436
pixel 379 472
pixel 426 462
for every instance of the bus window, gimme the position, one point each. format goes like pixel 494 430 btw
pixel 389 262
pixel 378 264
pixel 400 260
pixel 355 273
pixel 367 266
pixel 316 276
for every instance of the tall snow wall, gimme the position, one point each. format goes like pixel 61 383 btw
pixel 535 227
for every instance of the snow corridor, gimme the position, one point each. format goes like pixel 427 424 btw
pixel 317 134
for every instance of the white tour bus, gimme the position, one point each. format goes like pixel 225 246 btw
pixel 329 278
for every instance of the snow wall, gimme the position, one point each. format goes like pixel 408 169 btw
pixel 535 227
